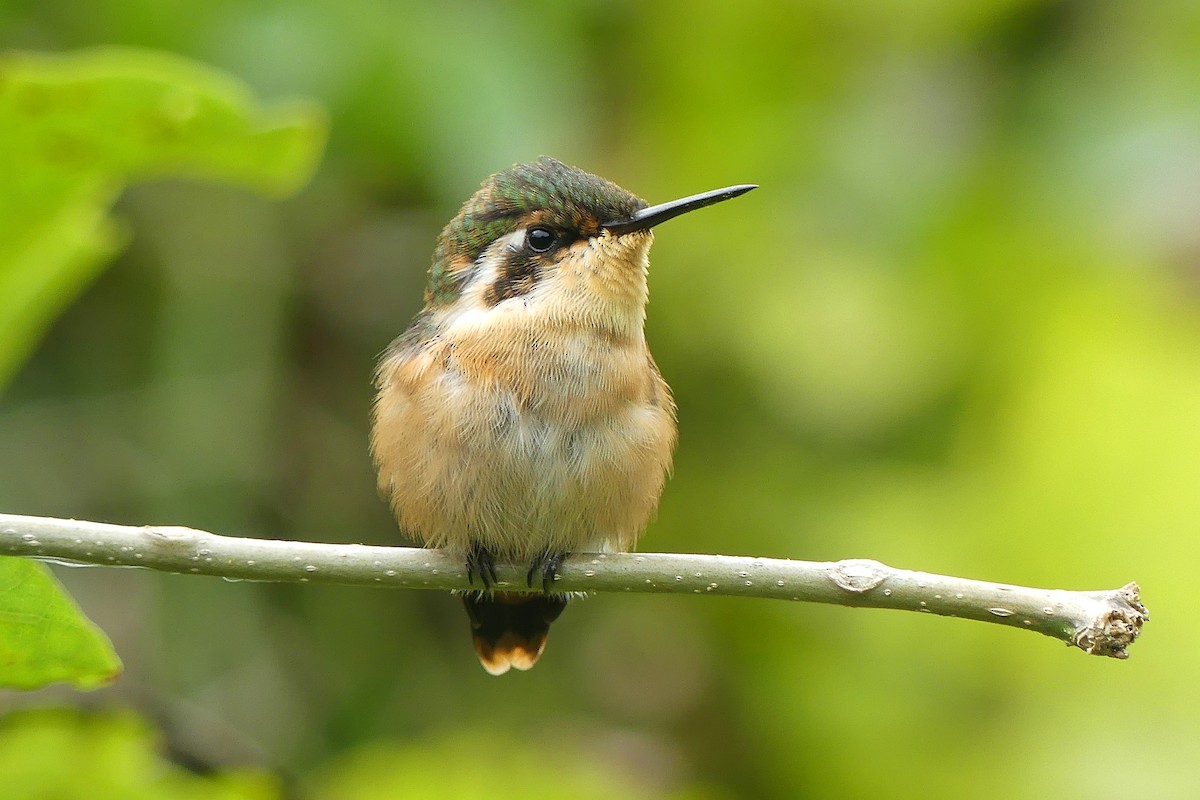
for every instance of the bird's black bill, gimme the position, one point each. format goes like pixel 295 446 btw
pixel 649 217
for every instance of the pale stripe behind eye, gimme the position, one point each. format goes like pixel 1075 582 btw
pixel 490 265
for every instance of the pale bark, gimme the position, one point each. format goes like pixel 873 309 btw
pixel 1098 622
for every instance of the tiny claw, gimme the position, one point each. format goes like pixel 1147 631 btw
pixel 547 564
pixel 480 561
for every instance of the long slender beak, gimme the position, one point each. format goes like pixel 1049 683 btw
pixel 649 217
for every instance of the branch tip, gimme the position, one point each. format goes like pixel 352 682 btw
pixel 1116 627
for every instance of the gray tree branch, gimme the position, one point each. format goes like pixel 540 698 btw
pixel 1101 622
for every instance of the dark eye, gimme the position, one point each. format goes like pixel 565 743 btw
pixel 540 240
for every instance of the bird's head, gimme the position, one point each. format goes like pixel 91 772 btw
pixel 554 239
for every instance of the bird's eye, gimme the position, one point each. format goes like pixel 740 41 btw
pixel 540 240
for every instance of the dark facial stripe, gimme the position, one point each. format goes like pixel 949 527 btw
pixel 519 275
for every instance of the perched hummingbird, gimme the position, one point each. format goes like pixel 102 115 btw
pixel 521 416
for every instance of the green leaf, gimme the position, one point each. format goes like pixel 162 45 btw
pixel 474 763
pixel 75 129
pixel 44 637
pixel 66 754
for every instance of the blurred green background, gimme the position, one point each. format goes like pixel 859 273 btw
pixel 956 330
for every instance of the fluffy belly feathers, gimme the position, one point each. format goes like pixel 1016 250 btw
pixel 523 448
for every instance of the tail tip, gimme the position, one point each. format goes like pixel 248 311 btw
pixel 509 630
pixel 509 652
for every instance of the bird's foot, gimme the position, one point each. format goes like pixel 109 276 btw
pixel 481 562
pixel 546 565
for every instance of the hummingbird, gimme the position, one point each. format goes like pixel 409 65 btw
pixel 521 417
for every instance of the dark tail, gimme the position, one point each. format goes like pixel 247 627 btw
pixel 510 629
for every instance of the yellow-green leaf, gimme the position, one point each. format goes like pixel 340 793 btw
pixel 75 129
pixel 44 637
pixel 67 754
